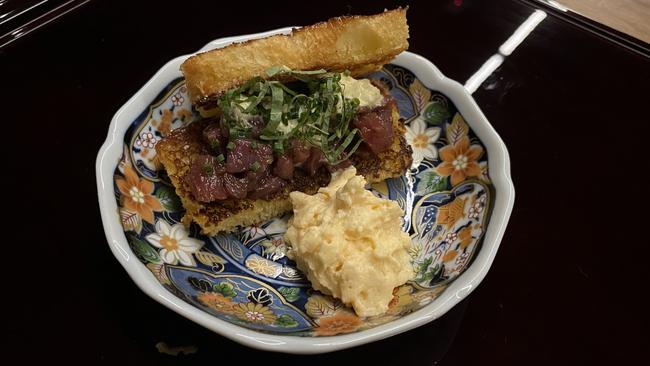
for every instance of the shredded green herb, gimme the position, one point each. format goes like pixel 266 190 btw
pixel 278 146
pixel 256 166
pixel 221 158
pixel 314 109
pixel 230 146
pixel 207 169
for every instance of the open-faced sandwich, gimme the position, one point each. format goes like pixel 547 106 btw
pixel 280 114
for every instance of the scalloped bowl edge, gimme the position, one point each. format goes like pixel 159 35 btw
pixel 431 77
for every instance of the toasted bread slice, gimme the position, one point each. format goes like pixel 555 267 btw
pixel 360 44
pixel 176 150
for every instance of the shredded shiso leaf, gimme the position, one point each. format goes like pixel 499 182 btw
pixel 314 109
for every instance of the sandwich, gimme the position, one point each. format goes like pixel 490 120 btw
pixel 280 114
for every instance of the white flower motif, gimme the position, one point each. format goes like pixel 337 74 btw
pixel 252 233
pixel 136 195
pixel 473 212
pixel 460 260
pixel 254 316
pixel 146 140
pixel 422 140
pixel 175 243
pixel 477 208
pixel 178 99
pixel 451 237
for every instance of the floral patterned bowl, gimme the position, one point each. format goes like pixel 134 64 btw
pixel 457 198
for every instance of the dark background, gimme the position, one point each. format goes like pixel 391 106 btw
pixel 570 281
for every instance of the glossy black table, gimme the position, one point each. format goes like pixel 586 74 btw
pixel 569 282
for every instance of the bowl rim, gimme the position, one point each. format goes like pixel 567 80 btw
pixel 499 168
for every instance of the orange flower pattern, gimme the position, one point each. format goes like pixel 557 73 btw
pixel 460 161
pixel 451 254
pixel 401 299
pixel 137 194
pixel 340 322
pixel 465 236
pixel 450 213
pixel 185 115
pixel 216 301
pixel 165 125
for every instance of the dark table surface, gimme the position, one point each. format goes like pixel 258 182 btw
pixel 570 281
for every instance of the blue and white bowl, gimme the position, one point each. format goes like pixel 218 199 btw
pixel 457 198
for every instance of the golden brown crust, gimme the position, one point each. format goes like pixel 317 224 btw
pixel 390 163
pixel 176 150
pixel 361 44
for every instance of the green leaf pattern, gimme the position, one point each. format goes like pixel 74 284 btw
pixel 286 321
pixel 168 198
pixel 290 293
pixel 224 288
pixel 143 250
pixel 436 113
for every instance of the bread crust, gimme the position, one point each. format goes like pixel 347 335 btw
pixel 176 150
pixel 360 44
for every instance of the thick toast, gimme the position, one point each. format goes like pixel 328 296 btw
pixel 360 44
pixel 176 150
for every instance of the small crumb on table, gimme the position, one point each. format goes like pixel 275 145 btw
pixel 162 347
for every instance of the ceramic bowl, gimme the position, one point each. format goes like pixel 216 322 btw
pixel 457 198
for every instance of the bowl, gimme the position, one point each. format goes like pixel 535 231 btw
pixel 457 199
